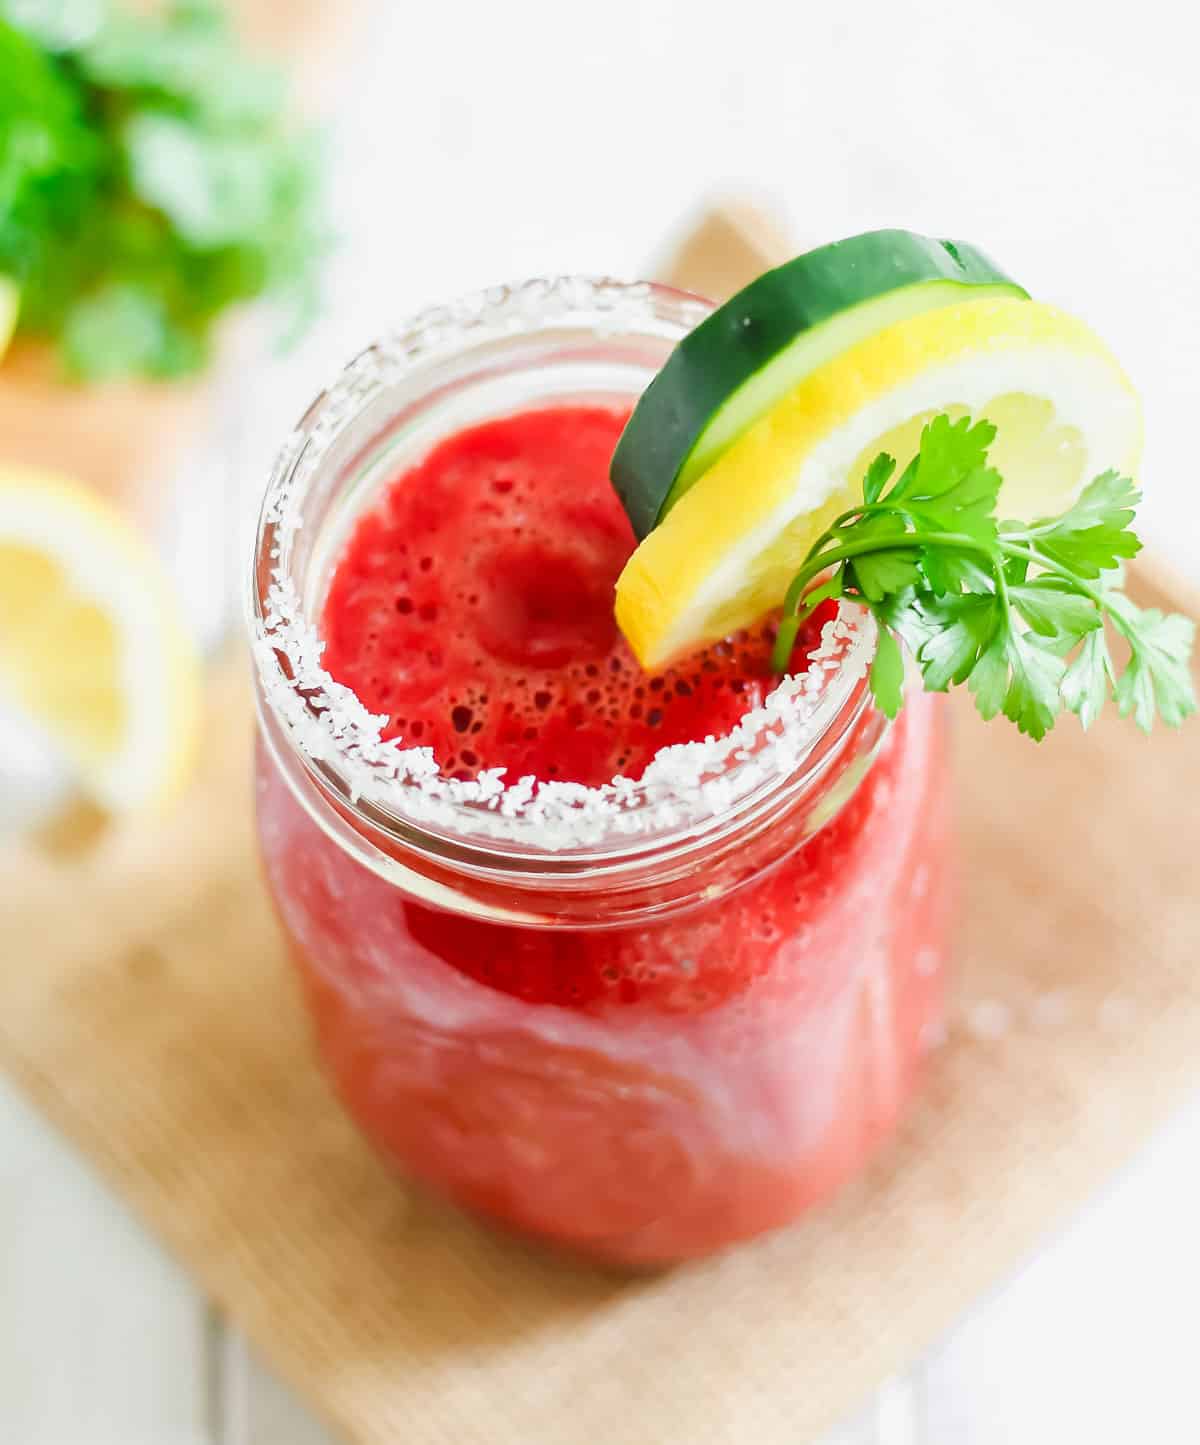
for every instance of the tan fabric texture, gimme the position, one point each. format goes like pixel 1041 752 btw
pixel 146 1008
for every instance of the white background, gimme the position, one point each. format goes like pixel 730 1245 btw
pixel 479 143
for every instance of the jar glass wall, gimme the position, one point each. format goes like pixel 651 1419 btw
pixel 742 953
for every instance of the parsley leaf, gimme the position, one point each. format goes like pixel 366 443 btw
pixel 1016 611
pixel 1087 682
pixel 1158 675
pixel 1053 610
pixel 887 675
pixel 1092 536
pixel 891 569
pixel 149 180
pixel 1032 700
pixel 878 475
pixel 989 678
pixel 951 486
pixel 966 626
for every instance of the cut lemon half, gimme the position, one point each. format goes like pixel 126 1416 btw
pixel 92 645
pixel 10 304
pixel 723 556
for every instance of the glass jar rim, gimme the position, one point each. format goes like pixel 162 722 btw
pixel 686 792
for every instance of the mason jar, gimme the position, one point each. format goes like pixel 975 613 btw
pixel 748 942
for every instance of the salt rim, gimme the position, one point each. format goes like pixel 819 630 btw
pixel 683 785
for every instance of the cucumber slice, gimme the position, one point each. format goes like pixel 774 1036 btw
pixel 734 367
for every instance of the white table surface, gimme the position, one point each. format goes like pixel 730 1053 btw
pixel 477 144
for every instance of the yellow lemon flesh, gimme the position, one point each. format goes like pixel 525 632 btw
pixel 92 645
pixel 10 304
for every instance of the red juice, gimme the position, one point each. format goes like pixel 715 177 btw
pixel 645 1091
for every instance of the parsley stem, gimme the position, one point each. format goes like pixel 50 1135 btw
pixel 1076 583
pixel 854 515
pixel 791 622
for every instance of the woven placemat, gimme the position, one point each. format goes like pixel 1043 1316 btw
pixel 146 1008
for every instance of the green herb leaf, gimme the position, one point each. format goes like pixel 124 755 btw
pixel 1015 611
pixel 1053 610
pixel 1088 681
pixel 1158 676
pixel 989 677
pixel 949 654
pixel 149 180
pixel 50 170
pixel 887 675
pixel 1032 700
pixel 891 569
pixel 948 571
pixel 119 330
pixel 952 487
pixel 1092 536
pixel 903 614
pixel 879 473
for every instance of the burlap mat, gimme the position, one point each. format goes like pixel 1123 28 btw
pixel 146 1008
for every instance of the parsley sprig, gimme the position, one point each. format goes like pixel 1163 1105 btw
pixel 1017 611
pixel 150 178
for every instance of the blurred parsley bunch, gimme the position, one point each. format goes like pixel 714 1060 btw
pixel 148 181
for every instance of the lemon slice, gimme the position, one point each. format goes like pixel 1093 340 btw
pixel 10 304
pixel 724 554
pixel 92 645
